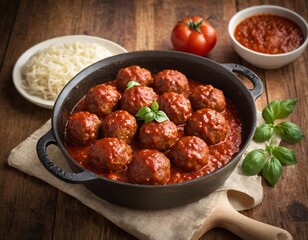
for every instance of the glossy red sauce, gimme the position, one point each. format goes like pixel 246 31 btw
pixel 220 154
pixel 269 34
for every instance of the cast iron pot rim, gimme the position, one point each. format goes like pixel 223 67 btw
pixel 141 54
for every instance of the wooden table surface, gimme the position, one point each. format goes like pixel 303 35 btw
pixel 32 209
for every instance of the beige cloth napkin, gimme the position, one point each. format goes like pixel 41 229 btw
pixel 177 223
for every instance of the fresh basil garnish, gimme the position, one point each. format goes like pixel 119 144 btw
pixel 160 116
pixel 143 111
pixel 263 132
pixel 131 84
pixel 289 132
pixel 284 155
pixel 278 109
pixel 272 158
pixel 253 162
pixel 149 117
pixel 272 171
pixel 155 106
pixel 153 113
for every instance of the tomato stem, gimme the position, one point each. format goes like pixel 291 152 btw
pixel 195 26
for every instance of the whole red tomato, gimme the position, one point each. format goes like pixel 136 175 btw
pixel 194 35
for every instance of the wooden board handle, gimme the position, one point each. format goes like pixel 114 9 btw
pixel 246 228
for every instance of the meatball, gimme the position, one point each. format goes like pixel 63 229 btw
pixel 120 124
pixel 136 97
pixel 171 81
pixel 102 99
pixel 149 167
pixel 111 154
pixel 207 96
pixel 209 125
pixel 190 153
pixel 133 73
pixel 82 128
pixel 159 136
pixel 176 106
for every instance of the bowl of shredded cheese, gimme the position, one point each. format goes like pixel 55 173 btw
pixel 42 71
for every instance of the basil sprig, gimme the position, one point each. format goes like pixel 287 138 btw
pixel 278 109
pixel 153 113
pixel 287 131
pixel 254 162
pixel 272 170
pixel 131 84
pixel 263 133
pixel 269 161
pixel 283 154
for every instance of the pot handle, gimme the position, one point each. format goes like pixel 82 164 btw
pixel 257 82
pixel 70 177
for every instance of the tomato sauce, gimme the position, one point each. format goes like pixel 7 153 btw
pixel 219 154
pixel 270 34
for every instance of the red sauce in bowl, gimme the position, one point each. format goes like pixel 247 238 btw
pixel 270 34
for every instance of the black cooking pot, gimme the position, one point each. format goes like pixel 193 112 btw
pixel 145 196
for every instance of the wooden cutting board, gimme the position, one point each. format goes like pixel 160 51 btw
pixel 223 215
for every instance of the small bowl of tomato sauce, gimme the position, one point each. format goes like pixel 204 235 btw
pixel 268 36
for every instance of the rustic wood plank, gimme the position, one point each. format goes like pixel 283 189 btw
pixel 7 17
pixel 27 204
pixel 102 19
pixel 89 224
pixel 31 209
pixel 19 209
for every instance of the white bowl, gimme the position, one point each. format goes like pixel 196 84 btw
pixel 261 60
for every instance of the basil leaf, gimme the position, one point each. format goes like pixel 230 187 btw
pixel 154 106
pixel 148 117
pixel 286 108
pixel 289 132
pixel 263 132
pixel 161 116
pixel 149 114
pixel 253 162
pixel 284 155
pixel 130 84
pixel 142 112
pixel 272 171
pixel 278 109
pixel 268 113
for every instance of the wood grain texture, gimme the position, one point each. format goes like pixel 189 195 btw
pixel 31 209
